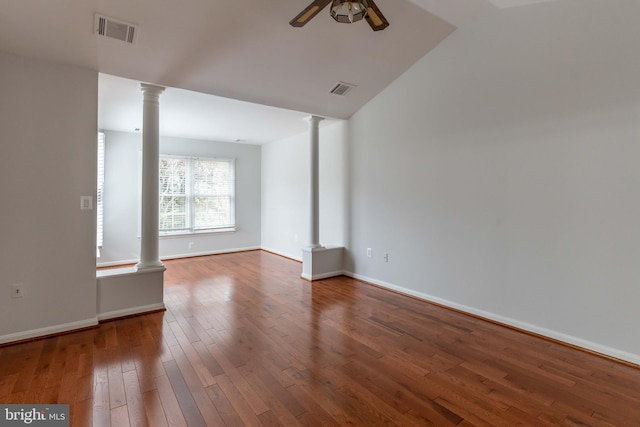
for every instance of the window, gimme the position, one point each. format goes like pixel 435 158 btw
pixel 196 194
pixel 100 194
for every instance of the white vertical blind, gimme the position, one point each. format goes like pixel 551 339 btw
pixel 196 194
pixel 100 193
pixel 174 209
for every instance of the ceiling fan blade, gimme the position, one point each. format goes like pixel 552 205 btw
pixel 375 18
pixel 309 12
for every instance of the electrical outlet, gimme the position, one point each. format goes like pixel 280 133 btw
pixel 86 203
pixel 17 290
pixel 191 245
pixel 368 252
pixel 386 257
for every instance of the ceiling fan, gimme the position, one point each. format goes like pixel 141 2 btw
pixel 344 11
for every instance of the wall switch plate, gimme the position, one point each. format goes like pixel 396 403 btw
pixel 86 203
pixel 17 290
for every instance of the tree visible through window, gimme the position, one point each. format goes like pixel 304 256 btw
pixel 196 194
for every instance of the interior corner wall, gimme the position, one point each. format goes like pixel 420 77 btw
pixel 286 193
pixel 122 195
pixel 500 173
pixel 48 134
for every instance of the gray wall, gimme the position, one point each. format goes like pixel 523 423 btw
pixel 48 125
pixel 285 191
pixel 121 215
pixel 501 173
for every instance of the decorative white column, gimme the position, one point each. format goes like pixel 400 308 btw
pixel 149 253
pixel 314 202
pixel 318 262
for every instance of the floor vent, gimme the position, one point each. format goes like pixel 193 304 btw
pixel 342 88
pixel 115 29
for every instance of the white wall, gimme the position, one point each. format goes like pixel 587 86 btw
pixel 48 125
pixel 285 191
pixel 121 216
pixel 501 173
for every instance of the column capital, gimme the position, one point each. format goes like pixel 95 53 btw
pixel 149 89
pixel 314 119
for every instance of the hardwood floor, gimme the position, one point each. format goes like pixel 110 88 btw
pixel 245 341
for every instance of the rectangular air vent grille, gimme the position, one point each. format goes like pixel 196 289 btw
pixel 115 29
pixel 342 88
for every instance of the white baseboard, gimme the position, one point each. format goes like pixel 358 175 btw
pixel 555 335
pixel 116 263
pixel 284 254
pixel 218 252
pixel 179 256
pixel 322 276
pixel 130 311
pixel 49 330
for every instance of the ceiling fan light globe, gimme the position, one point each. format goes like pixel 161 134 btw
pixel 346 11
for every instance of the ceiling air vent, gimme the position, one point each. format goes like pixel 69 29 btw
pixel 115 29
pixel 342 88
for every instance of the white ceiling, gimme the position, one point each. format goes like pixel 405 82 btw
pixel 236 50
pixel 196 115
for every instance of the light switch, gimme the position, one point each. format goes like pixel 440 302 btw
pixel 86 203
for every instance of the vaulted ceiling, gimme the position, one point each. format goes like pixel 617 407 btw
pixel 241 49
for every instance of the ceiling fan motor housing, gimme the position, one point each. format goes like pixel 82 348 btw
pixel 347 12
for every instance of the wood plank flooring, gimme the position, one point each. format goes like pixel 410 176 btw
pixel 245 341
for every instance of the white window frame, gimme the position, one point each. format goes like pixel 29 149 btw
pixel 190 198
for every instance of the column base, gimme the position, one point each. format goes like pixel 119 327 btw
pixel 322 262
pixel 150 266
